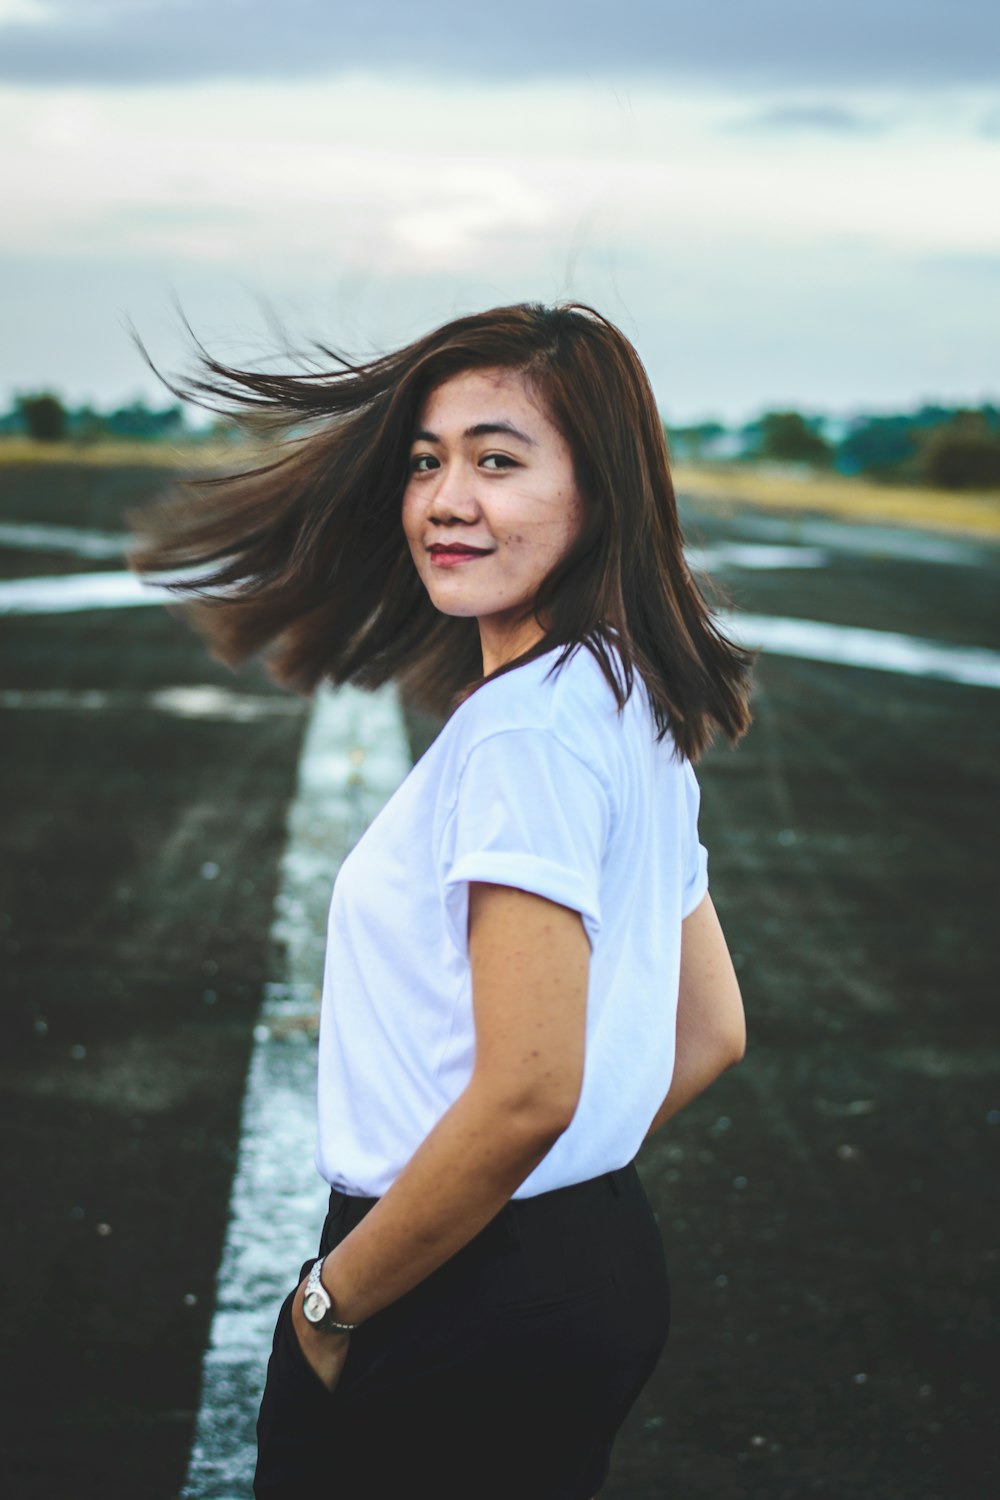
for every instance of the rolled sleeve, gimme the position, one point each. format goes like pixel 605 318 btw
pixel 528 813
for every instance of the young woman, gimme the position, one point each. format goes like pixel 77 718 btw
pixel 525 973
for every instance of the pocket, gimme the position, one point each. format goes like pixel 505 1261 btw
pixel 295 1354
pixel 571 1301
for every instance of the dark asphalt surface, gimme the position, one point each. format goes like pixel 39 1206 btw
pixel 829 1209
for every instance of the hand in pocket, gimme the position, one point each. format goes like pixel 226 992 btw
pixel 324 1353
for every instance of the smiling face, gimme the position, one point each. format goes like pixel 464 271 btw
pixel 489 471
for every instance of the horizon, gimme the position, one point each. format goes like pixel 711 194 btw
pixel 782 211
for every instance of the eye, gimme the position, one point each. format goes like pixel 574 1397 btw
pixel 502 460
pixel 420 463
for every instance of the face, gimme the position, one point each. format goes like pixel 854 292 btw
pixel 489 473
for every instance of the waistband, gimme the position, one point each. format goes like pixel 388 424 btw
pixel 518 1211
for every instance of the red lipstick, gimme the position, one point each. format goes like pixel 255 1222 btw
pixel 446 555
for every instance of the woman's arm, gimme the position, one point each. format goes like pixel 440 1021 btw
pixel 711 1026
pixel 530 962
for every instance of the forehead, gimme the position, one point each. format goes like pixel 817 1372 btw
pixel 486 394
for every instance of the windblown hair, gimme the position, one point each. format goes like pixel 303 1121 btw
pixel 309 563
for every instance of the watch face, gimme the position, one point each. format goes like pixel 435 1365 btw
pixel 314 1307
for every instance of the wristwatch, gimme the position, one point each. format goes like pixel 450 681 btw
pixel 317 1305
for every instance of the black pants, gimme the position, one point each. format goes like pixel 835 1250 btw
pixel 506 1373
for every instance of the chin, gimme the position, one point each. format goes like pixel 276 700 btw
pixel 456 611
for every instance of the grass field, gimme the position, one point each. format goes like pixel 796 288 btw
pixel 851 499
pixel 719 484
pixel 118 454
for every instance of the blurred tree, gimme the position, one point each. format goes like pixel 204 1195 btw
pixel 691 443
pixel 44 416
pixel 86 425
pixel 962 454
pixel 137 420
pixel 787 437
pixel 877 445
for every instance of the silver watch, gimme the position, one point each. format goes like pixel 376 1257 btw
pixel 317 1305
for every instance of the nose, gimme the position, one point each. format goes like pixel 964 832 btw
pixel 454 495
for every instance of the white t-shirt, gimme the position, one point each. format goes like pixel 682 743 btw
pixel 537 784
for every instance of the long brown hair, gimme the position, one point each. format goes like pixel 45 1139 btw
pixel 310 564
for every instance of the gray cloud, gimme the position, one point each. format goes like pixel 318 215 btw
pixel 964 263
pixel 832 119
pixel 755 43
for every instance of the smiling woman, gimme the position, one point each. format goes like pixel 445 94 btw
pixel 524 972
pixel 303 557
pixel 490 505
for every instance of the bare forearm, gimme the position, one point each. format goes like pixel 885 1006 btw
pixel 460 1177
pixel 696 1066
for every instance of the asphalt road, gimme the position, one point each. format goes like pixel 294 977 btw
pixel 829 1209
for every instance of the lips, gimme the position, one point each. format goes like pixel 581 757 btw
pixel 457 547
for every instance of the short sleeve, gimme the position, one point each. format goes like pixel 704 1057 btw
pixel 696 855
pixel 529 813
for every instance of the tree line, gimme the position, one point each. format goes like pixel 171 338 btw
pixel 954 448
pixel 44 417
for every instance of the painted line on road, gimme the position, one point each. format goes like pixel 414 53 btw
pixel 813 640
pixel 198 701
pixel 40 538
pixel 854 646
pixel 354 755
pixel 70 592
pixel 32 538
pixel 754 555
pixel 866 539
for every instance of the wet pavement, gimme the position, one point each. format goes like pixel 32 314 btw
pixel 829 1208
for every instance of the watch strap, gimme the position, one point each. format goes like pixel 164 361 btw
pixel 315 1288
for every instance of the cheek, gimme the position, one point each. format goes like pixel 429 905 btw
pixel 566 527
pixel 409 518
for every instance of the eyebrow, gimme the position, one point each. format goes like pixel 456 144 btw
pixel 481 429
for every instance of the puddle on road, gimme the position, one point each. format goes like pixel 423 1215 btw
pixel 220 703
pixel 855 646
pixel 194 702
pixel 31 538
pixel 865 539
pixel 78 591
pixel 751 555
pixel 841 645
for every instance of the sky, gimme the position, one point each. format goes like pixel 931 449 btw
pixel 782 205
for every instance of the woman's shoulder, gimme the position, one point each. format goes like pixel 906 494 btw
pixel 567 697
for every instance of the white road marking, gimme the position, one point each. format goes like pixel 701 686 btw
pixel 843 645
pixel 853 646
pixel 76 591
pixel 57 698
pixel 801 541
pixel 40 538
pixel 868 539
pixel 752 555
pixel 204 702
pixel 30 538
pixel 186 702
pixel 354 756
pixel 69 592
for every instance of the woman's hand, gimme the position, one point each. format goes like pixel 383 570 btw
pixel 325 1352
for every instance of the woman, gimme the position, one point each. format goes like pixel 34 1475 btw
pixel 525 974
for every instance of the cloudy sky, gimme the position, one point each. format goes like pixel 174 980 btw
pixel 780 203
